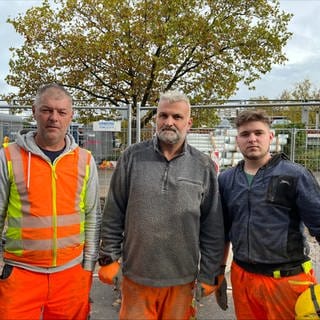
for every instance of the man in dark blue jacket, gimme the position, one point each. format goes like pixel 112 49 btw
pixel 267 202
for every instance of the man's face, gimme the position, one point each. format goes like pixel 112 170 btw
pixel 173 122
pixel 254 139
pixel 53 116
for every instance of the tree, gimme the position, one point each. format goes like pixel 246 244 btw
pixel 127 51
pixel 303 91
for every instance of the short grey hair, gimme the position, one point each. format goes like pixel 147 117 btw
pixel 47 87
pixel 174 96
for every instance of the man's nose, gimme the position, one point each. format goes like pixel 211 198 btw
pixel 54 115
pixel 169 121
pixel 252 136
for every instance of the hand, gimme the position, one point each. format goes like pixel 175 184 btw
pixel 110 273
pixel 203 290
pixel 207 289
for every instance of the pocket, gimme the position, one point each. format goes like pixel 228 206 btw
pixel 281 191
pixel 6 272
pixel 300 282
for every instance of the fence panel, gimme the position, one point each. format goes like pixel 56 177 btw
pixel 296 133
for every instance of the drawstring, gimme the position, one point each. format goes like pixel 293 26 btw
pixel 29 165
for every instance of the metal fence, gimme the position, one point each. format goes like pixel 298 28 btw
pixel 296 127
pixel 300 145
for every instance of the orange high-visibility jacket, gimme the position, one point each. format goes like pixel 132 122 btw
pixel 46 207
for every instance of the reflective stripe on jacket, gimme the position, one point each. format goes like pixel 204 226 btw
pixel 46 207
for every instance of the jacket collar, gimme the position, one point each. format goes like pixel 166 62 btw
pixel 275 159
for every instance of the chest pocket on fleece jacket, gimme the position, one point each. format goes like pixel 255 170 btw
pixel 281 191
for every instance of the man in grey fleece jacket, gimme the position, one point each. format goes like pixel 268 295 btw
pixel 163 218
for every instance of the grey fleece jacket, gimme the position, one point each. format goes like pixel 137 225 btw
pixel 163 217
pixel 92 203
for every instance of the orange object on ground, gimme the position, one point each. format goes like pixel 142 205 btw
pixel 261 297
pixel 60 295
pixel 150 303
pixel 105 164
pixel 108 272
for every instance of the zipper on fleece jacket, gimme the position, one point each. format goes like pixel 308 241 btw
pixel 165 178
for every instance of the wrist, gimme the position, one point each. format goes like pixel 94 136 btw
pixel 104 261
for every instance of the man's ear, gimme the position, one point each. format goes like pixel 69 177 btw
pixel 271 135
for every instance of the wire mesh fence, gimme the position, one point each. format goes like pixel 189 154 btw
pixel 296 129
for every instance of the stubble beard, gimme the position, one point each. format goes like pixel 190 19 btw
pixel 255 157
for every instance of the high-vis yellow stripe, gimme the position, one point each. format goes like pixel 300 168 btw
pixel 61 235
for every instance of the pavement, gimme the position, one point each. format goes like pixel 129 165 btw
pixel 105 306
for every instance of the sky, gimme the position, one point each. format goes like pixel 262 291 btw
pixel 302 50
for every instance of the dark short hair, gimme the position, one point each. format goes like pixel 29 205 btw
pixel 252 115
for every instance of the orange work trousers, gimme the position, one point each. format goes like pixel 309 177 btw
pixel 150 303
pixel 32 296
pixel 266 298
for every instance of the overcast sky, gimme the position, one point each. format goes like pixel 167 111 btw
pixel 303 50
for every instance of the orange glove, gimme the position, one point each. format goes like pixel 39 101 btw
pixel 108 273
pixel 204 289
pixel 207 289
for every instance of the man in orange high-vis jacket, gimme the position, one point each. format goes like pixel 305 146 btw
pixel 50 201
